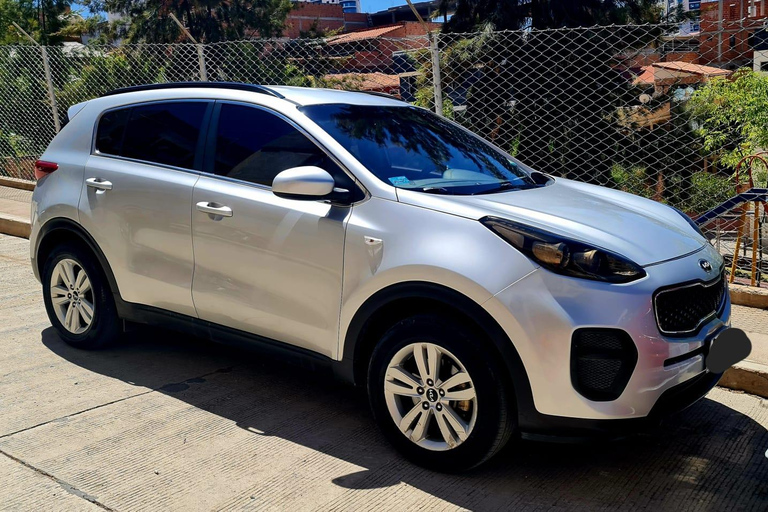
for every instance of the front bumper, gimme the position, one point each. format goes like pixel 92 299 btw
pixel 536 426
pixel 541 312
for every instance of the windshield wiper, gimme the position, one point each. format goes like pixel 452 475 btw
pixel 435 190
pixel 504 185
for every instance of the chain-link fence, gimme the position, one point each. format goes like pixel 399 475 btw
pixel 34 102
pixel 639 108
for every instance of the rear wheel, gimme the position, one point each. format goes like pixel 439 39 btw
pixel 77 298
pixel 436 393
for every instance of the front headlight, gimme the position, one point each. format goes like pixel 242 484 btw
pixel 564 256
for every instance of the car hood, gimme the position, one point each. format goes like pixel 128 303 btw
pixel 642 230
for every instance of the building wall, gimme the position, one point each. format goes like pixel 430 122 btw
pixel 377 53
pixel 355 21
pixel 725 38
pixel 350 6
pixel 760 61
pixel 329 16
pixel 692 6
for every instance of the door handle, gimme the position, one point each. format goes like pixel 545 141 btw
pixel 214 209
pixel 99 184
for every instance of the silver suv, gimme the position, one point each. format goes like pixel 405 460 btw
pixel 474 298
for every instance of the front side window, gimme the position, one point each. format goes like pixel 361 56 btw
pixel 163 133
pixel 255 145
pixel 411 148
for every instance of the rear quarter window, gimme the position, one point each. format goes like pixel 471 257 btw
pixel 163 133
pixel 109 135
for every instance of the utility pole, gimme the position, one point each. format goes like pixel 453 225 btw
pixel 200 50
pixel 48 79
pixel 434 50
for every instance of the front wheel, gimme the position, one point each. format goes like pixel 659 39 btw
pixel 436 392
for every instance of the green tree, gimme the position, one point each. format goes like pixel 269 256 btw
pixel 42 19
pixel 472 15
pixel 732 115
pixel 208 21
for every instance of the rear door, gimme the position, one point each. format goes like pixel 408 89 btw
pixel 137 198
pixel 267 265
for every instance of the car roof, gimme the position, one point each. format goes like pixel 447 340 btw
pixel 301 96
pixel 316 96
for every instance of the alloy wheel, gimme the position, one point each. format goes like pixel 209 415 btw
pixel 72 296
pixel 430 396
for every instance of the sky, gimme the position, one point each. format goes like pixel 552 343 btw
pixel 380 5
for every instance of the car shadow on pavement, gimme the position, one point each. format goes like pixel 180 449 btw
pixel 709 455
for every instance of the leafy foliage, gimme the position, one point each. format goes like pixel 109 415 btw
pixel 42 19
pixel 208 21
pixel 732 115
pixel 540 14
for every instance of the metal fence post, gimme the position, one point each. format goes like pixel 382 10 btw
pixel 720 31
pixel 436 81
pixel 201 61
pixel 200 49
pixel 48 79
pixel 51 93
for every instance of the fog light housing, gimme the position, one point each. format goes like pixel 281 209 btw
pixel 602 361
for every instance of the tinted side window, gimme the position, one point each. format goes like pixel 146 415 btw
pixel 165 133
pixel 109 135
pixel 254 145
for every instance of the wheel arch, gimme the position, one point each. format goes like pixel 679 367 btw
pixel 62 230
pixel 391 304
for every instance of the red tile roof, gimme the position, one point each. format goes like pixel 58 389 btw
pixel 646 77
pixel 696 69
pixel 648 74
pixel 362 35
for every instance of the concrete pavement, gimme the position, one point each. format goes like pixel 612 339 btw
pixel 164 421
pixel 754 322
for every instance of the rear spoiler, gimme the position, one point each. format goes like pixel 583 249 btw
pixel 72 112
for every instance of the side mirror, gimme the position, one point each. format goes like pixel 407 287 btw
pixel 307 183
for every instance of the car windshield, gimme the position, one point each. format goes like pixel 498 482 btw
pixel 411 148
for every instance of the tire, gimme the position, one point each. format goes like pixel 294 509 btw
pixel 487 421
pixel 71 306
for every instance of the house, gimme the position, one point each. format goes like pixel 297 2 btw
pixel 760 54
pixel 405 13
pixel 373 49
pixel 729 29
pixel 350 6
pixel 322 17
pixel 665 75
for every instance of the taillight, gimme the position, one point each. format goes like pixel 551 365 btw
pixel 43 168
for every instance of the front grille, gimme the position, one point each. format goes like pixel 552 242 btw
pixel 684 309
pixel 602 361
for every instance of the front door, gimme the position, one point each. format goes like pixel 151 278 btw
pixel 263 264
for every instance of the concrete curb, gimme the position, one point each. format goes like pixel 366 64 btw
pixel 16 183
pixel 749 296
pixel 747 376
pixel 14 226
